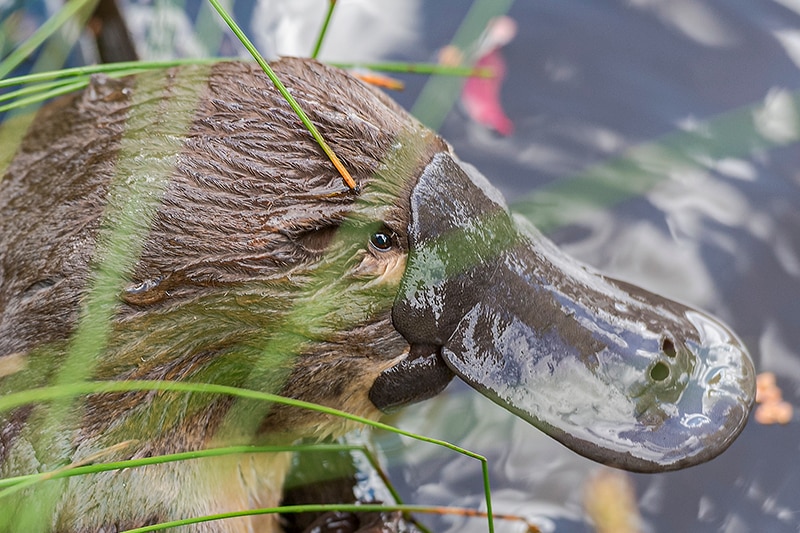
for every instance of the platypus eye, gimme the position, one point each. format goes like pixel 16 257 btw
pixel 381 241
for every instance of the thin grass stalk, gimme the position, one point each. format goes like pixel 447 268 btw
pixel 31 89
pixel 13 484
pixel 110 69
pixel 71 390
pixel 440 93
pixel 35 95
pixel 348 179
pixel 420 68
pixel 74 79
pixel 17 483
pixel 58 20
pixel 293 509
pixel 324 30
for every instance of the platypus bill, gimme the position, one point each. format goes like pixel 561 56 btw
pixel 183 225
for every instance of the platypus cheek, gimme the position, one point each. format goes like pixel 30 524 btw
pixel 616 373
pixel 382 268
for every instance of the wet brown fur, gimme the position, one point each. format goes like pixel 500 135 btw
pixel 255 271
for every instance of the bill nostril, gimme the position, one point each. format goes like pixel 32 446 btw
pixel 659 371
pixel 668 347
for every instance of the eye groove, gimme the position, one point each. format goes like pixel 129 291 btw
pixel 659 371
pixel 40 285
pixel 381 241
pixel 668 347
pixel 317 240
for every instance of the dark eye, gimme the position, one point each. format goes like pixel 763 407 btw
pixel 381 241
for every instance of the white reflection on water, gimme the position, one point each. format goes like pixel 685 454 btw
pixel 696 20
pixel 363 30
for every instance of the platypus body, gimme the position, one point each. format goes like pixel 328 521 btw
pixel 183 225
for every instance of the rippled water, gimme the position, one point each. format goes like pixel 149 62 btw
pixel 596 90
pixel 715 224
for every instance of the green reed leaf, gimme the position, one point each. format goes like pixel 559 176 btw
pixel 323 31
pixel 72 9
pixel 71 390
pixel 348 179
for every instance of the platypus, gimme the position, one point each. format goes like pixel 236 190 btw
pixel 183 225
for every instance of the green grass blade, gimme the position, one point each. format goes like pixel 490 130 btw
pixel 441 92
pixel 419 68
pixel 42 95
pixel 351 184
pixel 291 509
pixel 79 388
pixel 71 390
pixel 324 30
pixel 45 31
pixel 14 484
pixel 111 69
pixel 70 80
pixel 30 89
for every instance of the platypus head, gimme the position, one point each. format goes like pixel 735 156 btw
pixel 618 374
pixel 250 264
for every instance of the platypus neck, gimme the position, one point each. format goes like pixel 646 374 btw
pixel 177 490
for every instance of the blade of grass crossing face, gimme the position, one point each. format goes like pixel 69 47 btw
pixel 143 169
pixel 348 179
pixel 70 390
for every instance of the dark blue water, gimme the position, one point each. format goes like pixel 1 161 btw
pixel 715 224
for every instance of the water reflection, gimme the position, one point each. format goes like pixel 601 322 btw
pixel 710 217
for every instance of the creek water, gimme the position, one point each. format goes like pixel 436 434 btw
pixel 714 221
